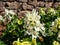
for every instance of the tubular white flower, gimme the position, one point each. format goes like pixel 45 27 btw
pixel 42 28
pixel 1 18
pixel 37 28
pixel 52 23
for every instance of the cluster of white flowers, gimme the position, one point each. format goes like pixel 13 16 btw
pixel 32 24
pixel 56 27
pixel 7 16
pixel 7 12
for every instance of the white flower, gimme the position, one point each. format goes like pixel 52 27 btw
pixel 6 11
pixel 1 18
pixel 52 23
pixel 42 28
pixel 35 34
pixel 28 33
pixel 37 28
pixel 7 16
pixel 9 11
pixel 38 22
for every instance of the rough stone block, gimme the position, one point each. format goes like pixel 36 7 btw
pixel 48 4
pixel 23 1
pixel 12 5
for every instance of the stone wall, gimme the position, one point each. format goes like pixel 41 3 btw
pixel 21 6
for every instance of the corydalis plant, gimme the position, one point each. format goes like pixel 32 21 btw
pixel 32 24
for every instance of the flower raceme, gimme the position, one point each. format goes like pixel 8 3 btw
pixel 56 25
pixel 8 16
pixel 32 24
